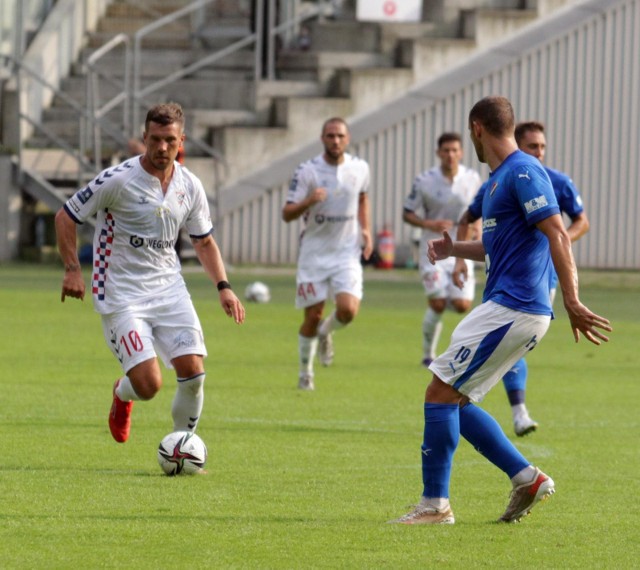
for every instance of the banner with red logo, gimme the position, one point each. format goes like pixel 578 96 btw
pixel 389 10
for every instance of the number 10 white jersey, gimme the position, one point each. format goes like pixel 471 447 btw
pixel 134 256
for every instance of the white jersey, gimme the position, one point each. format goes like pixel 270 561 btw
pixel 331 238
pixel 435 197
pixel 134 256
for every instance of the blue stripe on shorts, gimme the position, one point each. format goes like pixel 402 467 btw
pixel 486 348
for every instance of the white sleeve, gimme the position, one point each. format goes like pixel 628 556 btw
pixel 99 194
pixel 413 202
pixel 198 223
pixel 301 183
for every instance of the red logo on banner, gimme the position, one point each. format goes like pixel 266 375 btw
pixel 389 8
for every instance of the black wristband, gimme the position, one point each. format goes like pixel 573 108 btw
pixel 223 285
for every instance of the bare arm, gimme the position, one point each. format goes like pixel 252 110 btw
pixel 438 225
pixel 445 247
pixel 468 226
pixel 364 219
pixel 581 318
pixel 209 256
pixel 578 227
pixel 293 210
pixel 66 236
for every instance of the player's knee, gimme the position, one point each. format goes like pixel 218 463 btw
pixel 437 305
pixel 147 387
pixel 312 317
pixel 346 315
pixel 438 392
pixel 146 379
pixel 461 305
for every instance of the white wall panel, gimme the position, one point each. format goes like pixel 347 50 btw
pixel 578 71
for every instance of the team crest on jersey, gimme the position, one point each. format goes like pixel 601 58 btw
pixel 494 186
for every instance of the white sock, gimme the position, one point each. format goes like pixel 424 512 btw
pixel 307 351
pixel 431 329
pixel 524 476
pixel 330 324
pixel 187 403
pixel 125 390
pixel 519 411
pixel 440 503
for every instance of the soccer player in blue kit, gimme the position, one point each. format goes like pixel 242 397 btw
pixel 531 139
pixel 523 239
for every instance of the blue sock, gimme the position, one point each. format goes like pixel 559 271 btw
pixel 441 436
pixel 485 434
pixel 516 378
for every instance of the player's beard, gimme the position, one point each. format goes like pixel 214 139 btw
pixel 161 162
pixel 335 153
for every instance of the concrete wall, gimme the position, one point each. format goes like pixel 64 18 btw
pixel 10 204
pixel 50 56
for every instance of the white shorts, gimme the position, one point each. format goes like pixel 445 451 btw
pixel 485 345
pixel 343 280
pixel 438 281
pixel 170 326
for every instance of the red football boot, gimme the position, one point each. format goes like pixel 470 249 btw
pixel 120 417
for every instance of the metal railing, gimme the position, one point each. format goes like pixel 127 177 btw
pixel 19 68
pixel 140 95
pixel 99 111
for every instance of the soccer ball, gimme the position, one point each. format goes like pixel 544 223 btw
pixel 182 452
pixel 257 292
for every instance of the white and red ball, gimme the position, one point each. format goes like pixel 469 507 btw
pixel 182 453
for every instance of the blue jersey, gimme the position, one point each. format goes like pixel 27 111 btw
pixel 567 195
pixel 517 196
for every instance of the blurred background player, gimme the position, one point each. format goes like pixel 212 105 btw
pixel 330 191
pixel 137 285
pixel 531 139
pixel 437 200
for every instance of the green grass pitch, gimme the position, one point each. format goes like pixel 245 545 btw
pixel 305 480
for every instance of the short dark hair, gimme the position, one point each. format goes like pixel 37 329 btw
pixel 495 114
pixel 527 127
pixel 449 137
pixel 165 114
pixel 334 120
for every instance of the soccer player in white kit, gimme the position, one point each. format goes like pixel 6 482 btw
pixel 136 284
pixel 438 198
pixel 330 191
